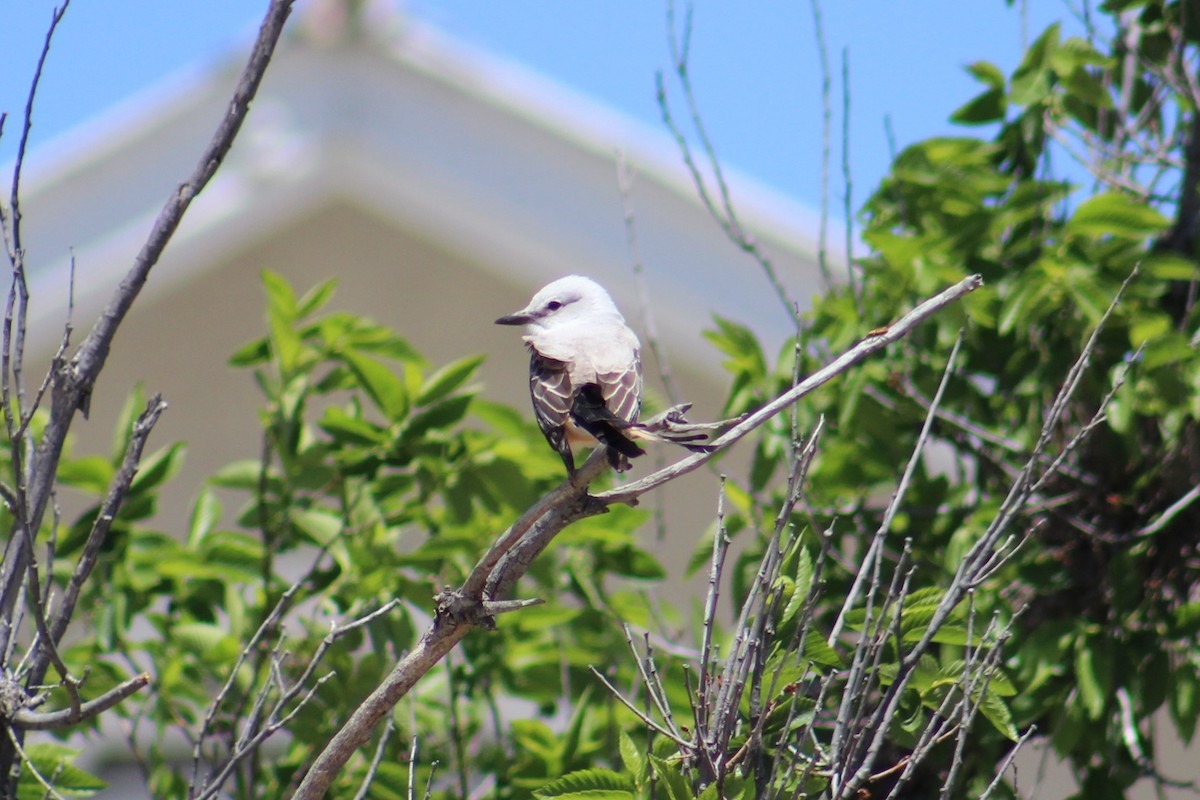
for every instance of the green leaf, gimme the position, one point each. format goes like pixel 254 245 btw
pixel 1092 674
pixel 1031 81
pixel 200 638
pixel 817 650
pixel 381 384
pixel 90 474
pixel 348 429
pixel 205 513
pixel 281 319
pixel 1113 214
pixel 997 712
pixel 1171 267
pixel 987 73
pixel 315 298
pixel 440 416
pixel 746 360
pixel 237 554
pixel 985 107
pixel 801 586
pixel 321 526
pixel 633 759
pixel 281 300
pixel 589 784
pixel 1184 702
pixel 448 378
pixel 670 778
pixel 632 562
pixel 54 762
pixel 251 353
pixel 242 474
pixel 159 467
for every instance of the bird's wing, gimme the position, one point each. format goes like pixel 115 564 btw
pixel 552 393
pixel 622 389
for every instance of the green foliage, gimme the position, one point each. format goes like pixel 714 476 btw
pixel 381 479
pixel 1108 608
pixel 384 478
pixel 53 763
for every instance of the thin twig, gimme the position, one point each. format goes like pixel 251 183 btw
pixel 725 215
pixel 826 127
pixel 857 353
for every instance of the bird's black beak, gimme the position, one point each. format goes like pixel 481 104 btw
pixel 520 318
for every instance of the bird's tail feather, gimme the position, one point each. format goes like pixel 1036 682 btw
pixel 673 426
pixel 592 415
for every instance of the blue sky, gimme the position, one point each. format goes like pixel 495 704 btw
pixel 755 65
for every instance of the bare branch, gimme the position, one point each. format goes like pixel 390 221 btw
pixel 72 383
pixel 860 351
pixel 826 125
pixel 51 720
pixel 724 215
pixel 1170 512
pixel 117 491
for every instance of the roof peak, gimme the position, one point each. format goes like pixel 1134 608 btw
pixel 332 23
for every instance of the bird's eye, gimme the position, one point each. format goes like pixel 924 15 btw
pixel 554 305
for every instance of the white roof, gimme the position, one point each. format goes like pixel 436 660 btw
pixel 502 166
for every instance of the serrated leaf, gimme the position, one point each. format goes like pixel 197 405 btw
pixel 1114 214
pixel 589 784
pixel 997 712
pixel 54 761
pixel 817 650
pixel 633 759
pixel 670 778
pixel 1031 80
pixel 200 638
pixel 802 584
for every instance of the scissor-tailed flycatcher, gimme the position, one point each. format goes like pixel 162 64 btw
pixel 585 371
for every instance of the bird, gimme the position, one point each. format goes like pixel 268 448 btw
pixel 585 372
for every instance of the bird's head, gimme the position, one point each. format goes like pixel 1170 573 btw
pixel 568 299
